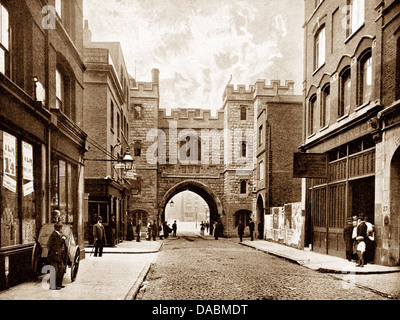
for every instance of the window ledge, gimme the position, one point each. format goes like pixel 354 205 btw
pixel 354 32
pixel 311 135
pixel 323 128
pixel 319 68
pixel 342 117
pixel 362 106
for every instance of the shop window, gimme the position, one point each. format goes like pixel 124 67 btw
pixel 325 105
pixel 365 81
pixel 4 41
pixel 344 92
pixel 17 191
pixel 64 190
pixel 319 48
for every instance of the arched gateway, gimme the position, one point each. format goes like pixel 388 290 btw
pixel 192 150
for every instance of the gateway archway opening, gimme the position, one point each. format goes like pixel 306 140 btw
pixel 189 210
pixel 209 207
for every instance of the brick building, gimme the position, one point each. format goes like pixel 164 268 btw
pixel 272 113
pixel 106 99
pixel 350 46
pixel 42 143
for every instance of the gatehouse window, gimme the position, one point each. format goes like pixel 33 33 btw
pixel 243 187
pixel 243 113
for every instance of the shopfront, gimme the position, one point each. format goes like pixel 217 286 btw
pixel 348 191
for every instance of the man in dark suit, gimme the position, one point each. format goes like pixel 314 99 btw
pixel 56 247
pixel 251 228
pixel 99 235
pixel 348 240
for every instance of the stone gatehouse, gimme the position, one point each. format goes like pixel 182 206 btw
pixel 214 156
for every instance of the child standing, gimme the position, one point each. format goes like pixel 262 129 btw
pixel 360 251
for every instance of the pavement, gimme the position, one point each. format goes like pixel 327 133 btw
pixel 120 272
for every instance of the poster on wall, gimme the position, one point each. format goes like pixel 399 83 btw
pixel 9 159
pixel 9 145
pixel 27 161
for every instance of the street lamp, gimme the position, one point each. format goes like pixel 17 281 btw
pixel 126 163
pixel 171 203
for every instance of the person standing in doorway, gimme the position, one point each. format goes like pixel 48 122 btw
pixel 241 230
pixel 99 235
pixel 347 237
pixel 138 227
pixel 56 247
pixel 251 227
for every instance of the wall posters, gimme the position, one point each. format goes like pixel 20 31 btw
pixel 27 168
pixel 9 162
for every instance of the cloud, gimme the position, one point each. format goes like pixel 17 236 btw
pixel 198 44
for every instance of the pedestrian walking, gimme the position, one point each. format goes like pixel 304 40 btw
pixel 207 226
pixel 347 237
pixel 154 230
pixel 148 233
pixel 251 227
pixel 202 228
pixel 353 239
pixel 99 235
pixel 56 216
pixel 174 228
pixel 362 231
pixel 360 251
pixel 138 228
pixel 218 229
pixel 56 247
pixel 241 230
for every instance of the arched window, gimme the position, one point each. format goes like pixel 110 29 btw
pixel 311 110
pixel 365 80
pixel 325 104
pixel 243 113
pixel 344 92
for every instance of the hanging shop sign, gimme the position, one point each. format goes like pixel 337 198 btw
pixel 310 165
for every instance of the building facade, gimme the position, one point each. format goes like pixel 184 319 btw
pixel 42 142
pixel 215 156
pixel 346 95
pixel 106 97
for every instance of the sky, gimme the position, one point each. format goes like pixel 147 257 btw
pixel 199 46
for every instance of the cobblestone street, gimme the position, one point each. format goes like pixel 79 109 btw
pixel 192 268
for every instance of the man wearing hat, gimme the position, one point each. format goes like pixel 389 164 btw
pixel 55 245
pixel 99 235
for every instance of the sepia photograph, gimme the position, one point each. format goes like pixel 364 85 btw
pixel 199 158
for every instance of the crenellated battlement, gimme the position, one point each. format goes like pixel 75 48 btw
pixel 259 88
pixel 144 90
pixel 191 118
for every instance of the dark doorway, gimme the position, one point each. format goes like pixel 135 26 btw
pixel 362 197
